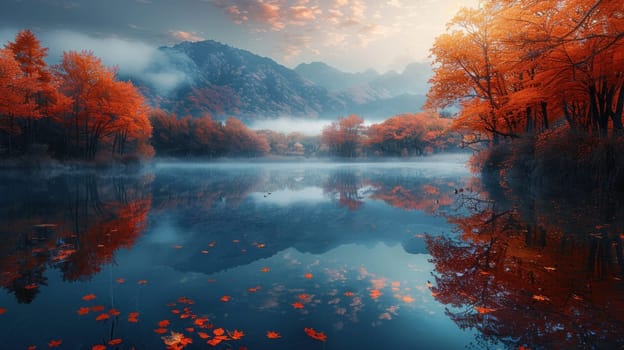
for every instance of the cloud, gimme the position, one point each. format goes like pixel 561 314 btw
pixel 261 14
pixel 131 57
pixel 186 36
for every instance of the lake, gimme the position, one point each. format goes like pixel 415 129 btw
pixel 393 255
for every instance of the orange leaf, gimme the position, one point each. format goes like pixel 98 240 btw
pixel 114 312
pixel 102 317
pixel 308 275
pixel 349 294
pixel 225 298
pixel 315 335
pixel 163 323
pixel 31 347
pixel 236 335
pixel 142 282
pixel 121 280
pixel 83 311
pixel 375 293
pixel 55 343
pixel 265 269
pixel 98 347
pixel 483 310
pixel 213 342
pixel 160 330
pixel 218 331
pixel 97 308
pixel 203 335
pixel 408 299
pixel 190 329
pixel 273 335
pixel 115 341
pixel 88 297
pixel 297 305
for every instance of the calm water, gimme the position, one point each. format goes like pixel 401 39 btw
pixel 385 255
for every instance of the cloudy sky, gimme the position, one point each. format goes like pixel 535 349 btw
pixel 352 35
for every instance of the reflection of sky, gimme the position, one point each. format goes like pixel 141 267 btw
pixel 288 197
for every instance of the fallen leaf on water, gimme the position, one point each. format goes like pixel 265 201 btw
pixel 178 246
pixel 88 297
pixel 98 347
pixel 273 335
pixel 133 317
pixel 102 317
pixel 214 342
pixel 260 245
pixel 265 269
pixel 55 343
pixel 31 347
pixel 142 282
pixel 203 335
pixel 297 305
pixel 308 275
pixel 190 329
pixel 160 330
pixel 225 298
pixel 253 289
pixel 185 300
pixel 114 312
pixel 236 334
pixel 97 308
pixel 218 331
pixel 205 252
pixel 200 321
pixel 83 311
pixel 163 323
pixel 176 340
pixel 315 335
pixel 115 341
pixel 121 280
pixel 483 310
pixel 375 293
pixel 31 286
pixel 303 296
pixel 349 294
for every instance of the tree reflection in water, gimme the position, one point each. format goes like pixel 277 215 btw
pixel 536 273
pixel 73 224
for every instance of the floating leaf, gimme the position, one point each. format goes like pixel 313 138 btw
pixel 121 280
pixel 102 317
pixel 142 282
pixel 97 308
pixel 349 294
pixel 31 347
pixel 203 335
pixel 253 289
pixel 214 342
pixel 408 299
pixel 375 293
pixel 89 297
pixel 98 347
pixel 273 335
pixel 225 298
pixel 315 335
pixel 308 275
pixel 236 334
pixel 114 312
pixel 190 329
pixel 83 311
pixel 265 269
pixel 32 286
pixel 55 343
pixel 163 323
pixel 218 331
pixel 133 317
pixel 115 341
pixel 160 330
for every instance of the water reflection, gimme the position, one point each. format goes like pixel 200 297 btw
pixel 74 224
pixel 536 273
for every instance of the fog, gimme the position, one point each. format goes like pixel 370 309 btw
pixel 131 57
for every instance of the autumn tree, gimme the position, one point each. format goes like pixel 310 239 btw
pixel 104 112
pixel 344 137
pixel 408 134
pixel 241 141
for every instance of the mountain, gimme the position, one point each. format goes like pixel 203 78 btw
pixel 333 79
pixel 195 78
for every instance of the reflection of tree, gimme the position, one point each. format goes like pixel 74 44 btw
pixel 73 223
pixel 522 279
pixel 345 186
